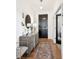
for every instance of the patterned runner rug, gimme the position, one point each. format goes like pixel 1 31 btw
pixel 43 51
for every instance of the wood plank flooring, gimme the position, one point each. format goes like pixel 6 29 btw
pixel 53 51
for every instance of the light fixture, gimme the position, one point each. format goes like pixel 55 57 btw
pixel 41 0
pixel 41 7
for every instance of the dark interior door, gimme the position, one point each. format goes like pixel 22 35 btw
pixel 43 26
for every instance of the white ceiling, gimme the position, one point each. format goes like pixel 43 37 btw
pixel 34 5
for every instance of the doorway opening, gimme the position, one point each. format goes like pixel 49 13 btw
pixel 43 26
pixel 59 25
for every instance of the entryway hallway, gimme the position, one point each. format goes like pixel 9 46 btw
pixel 45 49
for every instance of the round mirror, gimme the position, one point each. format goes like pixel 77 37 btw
pixel 27 20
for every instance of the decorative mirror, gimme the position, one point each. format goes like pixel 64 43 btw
pixel 27 20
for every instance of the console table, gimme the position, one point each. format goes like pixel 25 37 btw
pixel 29 41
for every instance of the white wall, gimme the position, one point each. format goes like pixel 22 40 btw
pixel 50 25
pixel 21 8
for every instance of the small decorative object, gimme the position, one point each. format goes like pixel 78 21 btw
pixel 22 24
pixel 29 27
pixel 28 24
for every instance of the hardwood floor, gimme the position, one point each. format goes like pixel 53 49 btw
pixel 53 50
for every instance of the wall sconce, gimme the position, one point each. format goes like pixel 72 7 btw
pixel 22 23
pixel 22 15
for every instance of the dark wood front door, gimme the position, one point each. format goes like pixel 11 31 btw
pixel 43 26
